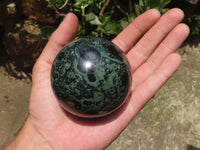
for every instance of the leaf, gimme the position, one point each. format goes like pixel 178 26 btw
pixel 50 5
pixel 124 22
pixel 164 3
pixel 92 19
pixel 141 3
pixel 96 21
pixel 89 17
pixel 111 28
pixel 155 4
pixel 137 9
pixel 164 10
pixel 46 31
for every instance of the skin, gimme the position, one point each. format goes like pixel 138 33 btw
pixel 149 43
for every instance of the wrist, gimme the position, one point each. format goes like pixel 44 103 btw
pixel 29 138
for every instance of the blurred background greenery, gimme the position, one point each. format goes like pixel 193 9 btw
pixel 106 18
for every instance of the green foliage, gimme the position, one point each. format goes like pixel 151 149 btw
pixel 194 24
pixel 109 27
pixel 144 5
pixel 106 18
pixel 92 19
pixel 96 17
pixel 46 31
pixel 52 3
pixel 57 3
pixel 194 21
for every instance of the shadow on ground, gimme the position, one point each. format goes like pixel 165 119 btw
pixel 190 147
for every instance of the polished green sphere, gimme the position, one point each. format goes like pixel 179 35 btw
pixel 91 77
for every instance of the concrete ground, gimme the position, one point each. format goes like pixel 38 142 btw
pixel 170 121
pixel 14 99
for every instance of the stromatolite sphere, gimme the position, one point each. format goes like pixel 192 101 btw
pixel 91 77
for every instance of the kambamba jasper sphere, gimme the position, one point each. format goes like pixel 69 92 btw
pixel 91 77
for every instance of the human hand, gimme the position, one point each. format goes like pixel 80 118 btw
pixel 149 43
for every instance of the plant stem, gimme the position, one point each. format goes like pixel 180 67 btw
pixel 103 8
pixel 83 18
pixel 64 4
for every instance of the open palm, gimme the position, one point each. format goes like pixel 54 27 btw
pixel 149 43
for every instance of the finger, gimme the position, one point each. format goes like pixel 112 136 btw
pixel 153 37
pixel 64 34
pixel 151 85
pixel 129 36
pixel 170 44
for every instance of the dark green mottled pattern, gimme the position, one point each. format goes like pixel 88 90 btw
pixel 90 76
